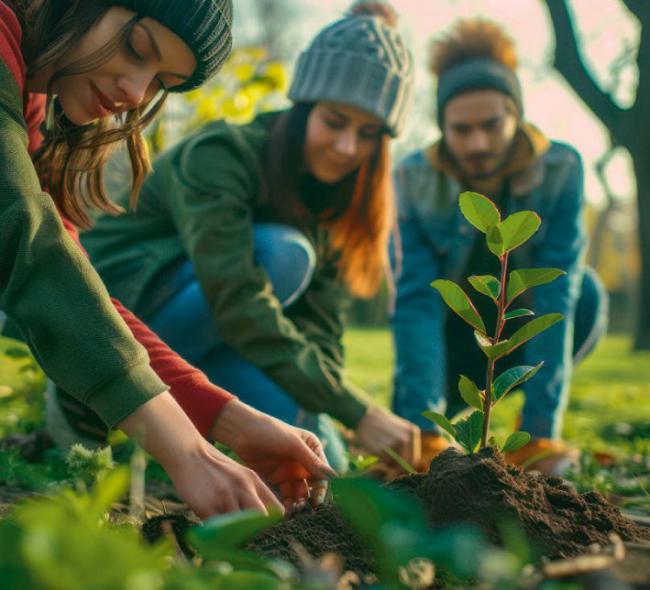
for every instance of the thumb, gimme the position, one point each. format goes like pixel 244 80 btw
pixel 309 452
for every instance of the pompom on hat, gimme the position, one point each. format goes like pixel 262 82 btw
pixel 360 60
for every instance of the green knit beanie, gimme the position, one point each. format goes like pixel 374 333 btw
pixel 205 25
pixel 361 61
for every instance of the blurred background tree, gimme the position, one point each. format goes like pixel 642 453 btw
pixel 627 125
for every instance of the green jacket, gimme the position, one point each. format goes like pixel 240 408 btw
pixel 47 286
pixel 201 202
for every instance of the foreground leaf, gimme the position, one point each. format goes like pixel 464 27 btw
pixel 459 302
pixel 441 421
pixel 526 278
pixel 515 441
pixel 470 392
pixel 479 210
pixel 230 531
pixel 518 228
pixel 512 378
pixel 469 430
pixel 487 285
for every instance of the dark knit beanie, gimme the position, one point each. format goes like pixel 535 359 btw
pixel 361 61
pixel 205 25
pixel 478 74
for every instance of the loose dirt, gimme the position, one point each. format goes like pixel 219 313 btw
pixel 479 489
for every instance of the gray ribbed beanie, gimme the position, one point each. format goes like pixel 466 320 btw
pixel 361 61
pixel 205 25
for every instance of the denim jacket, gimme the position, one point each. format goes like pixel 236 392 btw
pixel 436 242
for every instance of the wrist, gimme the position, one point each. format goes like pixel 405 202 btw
pixel 229 427
pixel 165 431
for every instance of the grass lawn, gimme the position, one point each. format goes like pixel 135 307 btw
pixel 609 404
pixel 608 411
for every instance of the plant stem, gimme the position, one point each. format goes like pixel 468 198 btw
pixel 498 329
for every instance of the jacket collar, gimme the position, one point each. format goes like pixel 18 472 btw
pixel 523 169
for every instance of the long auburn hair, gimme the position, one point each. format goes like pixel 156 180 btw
pixel 360 208
pixel 71 158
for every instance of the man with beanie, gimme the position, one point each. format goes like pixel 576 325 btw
pixel 487 146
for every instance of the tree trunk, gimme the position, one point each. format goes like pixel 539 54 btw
pixel 641 158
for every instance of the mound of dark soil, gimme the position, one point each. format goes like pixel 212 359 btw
pixel 479 489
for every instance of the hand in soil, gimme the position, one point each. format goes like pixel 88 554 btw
pixel 212 483
pixel 209 481
pixel 380 429
pixel 289 458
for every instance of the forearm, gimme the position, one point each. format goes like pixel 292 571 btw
pixel 164 431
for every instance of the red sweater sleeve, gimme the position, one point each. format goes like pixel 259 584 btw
pixel 201 400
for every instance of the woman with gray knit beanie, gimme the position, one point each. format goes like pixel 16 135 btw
pixel 103 69
pixel 248 239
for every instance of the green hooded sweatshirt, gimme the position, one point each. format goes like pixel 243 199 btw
pixel 47 286
pixel 201 202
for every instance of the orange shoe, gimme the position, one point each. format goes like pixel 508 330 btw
pixel 550 456
pixel 431 446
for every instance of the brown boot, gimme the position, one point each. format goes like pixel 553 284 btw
pixel 550 456
pixel 432 445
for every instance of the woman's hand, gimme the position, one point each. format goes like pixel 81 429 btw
pixel 380 429
pixel 287 457
pixel 212 483
pixel 205 478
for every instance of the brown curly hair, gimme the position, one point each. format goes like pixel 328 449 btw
pixel 469 39
pixel 380 9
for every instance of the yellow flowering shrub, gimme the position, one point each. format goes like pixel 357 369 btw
pixel 248 83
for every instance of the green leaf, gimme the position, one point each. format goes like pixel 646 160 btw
pixel 109 489
pixel 441 421
pixel 487 285
pixel 512 378
pixel 518 313
pixel 380 504
pixel 526 278
pixel 469 431
pixel 479 211
pixel 16 352
pixel 405 465
pixel 459 302
pixel 485 344
pixel 362 462
pixel 258 568
pixel 518 228
pixel 523 335
pixel 470 392
pixel 231 531
pixel 494 240
pixel 515 441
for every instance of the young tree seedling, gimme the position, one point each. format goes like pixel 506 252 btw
pixel 502 237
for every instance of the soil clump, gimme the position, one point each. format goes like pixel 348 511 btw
pixel 481 490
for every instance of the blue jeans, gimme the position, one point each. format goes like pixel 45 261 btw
pixel 288 258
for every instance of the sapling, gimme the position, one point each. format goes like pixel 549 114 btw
pixel 502 237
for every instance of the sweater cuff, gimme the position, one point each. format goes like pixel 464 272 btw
pixel 119 398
